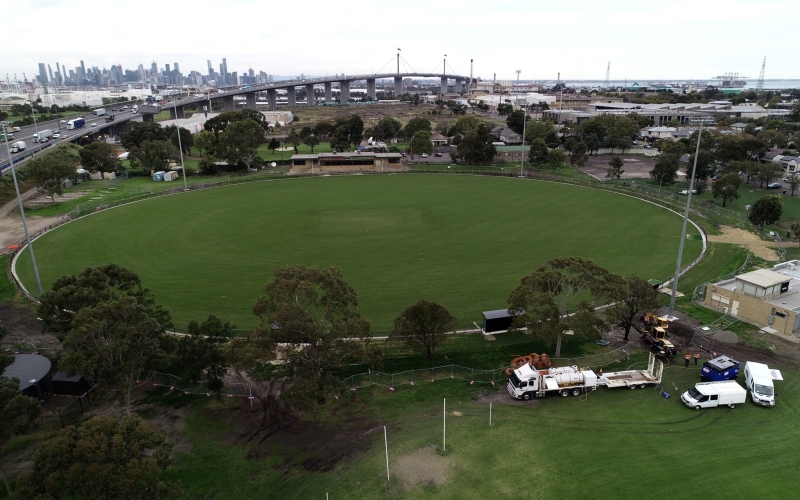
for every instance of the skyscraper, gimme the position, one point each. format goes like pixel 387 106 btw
pixel 221 74
pixel 42 73
pixel 210 69
pixel 225 68
pixel 50 71
pixel 154 73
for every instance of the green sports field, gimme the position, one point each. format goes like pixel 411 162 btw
pixel 463 241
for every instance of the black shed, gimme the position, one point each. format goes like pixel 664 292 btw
pixel 64 385
pixel 33 372
pixel 496 321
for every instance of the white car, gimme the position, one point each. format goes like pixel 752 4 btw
pixel 94 124
pixel 56 136
pixel 423 155
pixel 62 121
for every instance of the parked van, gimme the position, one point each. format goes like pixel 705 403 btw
pixel 758 379
pixel 710 394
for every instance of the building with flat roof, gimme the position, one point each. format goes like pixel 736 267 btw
pixel 769 298
pixel 348 161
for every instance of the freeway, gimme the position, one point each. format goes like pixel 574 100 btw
pixel 26 134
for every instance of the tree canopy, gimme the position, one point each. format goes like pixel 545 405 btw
pixel 727 188
pixel 423 326
pixel 104 459
pixel 310 320
pixel 476 145
pixel 153 155
pixel 766 210
pixel 544 298
pixel 48 173
pixel 100 157
pixel 240 141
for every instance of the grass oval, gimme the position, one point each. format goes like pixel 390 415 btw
pixel 463 241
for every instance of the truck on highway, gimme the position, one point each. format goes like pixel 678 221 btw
pixel 18 146
pixel 76 123
pixel 6 137
pixel 711 394
pixel 99 112
pixel 109 118
pixel 758 379
pixel 527 381
pixel 43 135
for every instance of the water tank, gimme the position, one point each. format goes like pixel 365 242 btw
pixel 569 378
pixel 564 369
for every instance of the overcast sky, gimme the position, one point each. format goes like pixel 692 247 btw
pixel 644 40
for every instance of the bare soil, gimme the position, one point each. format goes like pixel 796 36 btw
pixel 423 467
pixel 11 230
pixel 636 166
pixel 751 241
pixel 24 327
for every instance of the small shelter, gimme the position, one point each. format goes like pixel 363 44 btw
pixel 64 385
pixel 496 321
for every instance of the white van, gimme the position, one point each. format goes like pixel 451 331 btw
pixel 710 394
pixel 758 379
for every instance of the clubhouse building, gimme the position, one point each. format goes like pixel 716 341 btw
pixel 348 161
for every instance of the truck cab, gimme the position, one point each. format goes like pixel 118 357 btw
pixel 758 379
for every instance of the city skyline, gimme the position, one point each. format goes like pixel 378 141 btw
pixel 683 40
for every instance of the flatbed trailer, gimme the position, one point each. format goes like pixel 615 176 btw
pixel 634 378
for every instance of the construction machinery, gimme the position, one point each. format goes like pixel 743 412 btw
pixel 654 334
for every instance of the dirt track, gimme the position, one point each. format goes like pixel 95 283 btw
pixel 752 242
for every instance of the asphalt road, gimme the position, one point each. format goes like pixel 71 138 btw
pixel 26 133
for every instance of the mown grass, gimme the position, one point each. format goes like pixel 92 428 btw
pixel 605 446
pixel 463 241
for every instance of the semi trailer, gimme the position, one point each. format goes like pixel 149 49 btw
pixel 76 123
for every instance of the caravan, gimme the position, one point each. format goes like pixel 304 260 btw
pixel 758 379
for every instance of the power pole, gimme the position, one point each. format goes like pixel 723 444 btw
pixel 760 83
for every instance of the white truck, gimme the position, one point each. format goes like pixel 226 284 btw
pixel 758 379
pixel 710 394
pixel 42 135
pixel 528 382
pixel 99 112
pixel 18 146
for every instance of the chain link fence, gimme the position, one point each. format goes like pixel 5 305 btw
pixel 473 375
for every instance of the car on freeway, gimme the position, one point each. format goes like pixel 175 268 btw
pixel 62 121
pixel 774 185
pixel 94 124
pixel 124 108
pixel 438 155
pixel 423 155
pixel 56 136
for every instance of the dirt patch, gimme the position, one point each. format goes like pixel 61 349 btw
pixel 636 166
pixel 501 397
pixel 726 337
pixel 423 467
pixel 25 328
pixel 752 242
